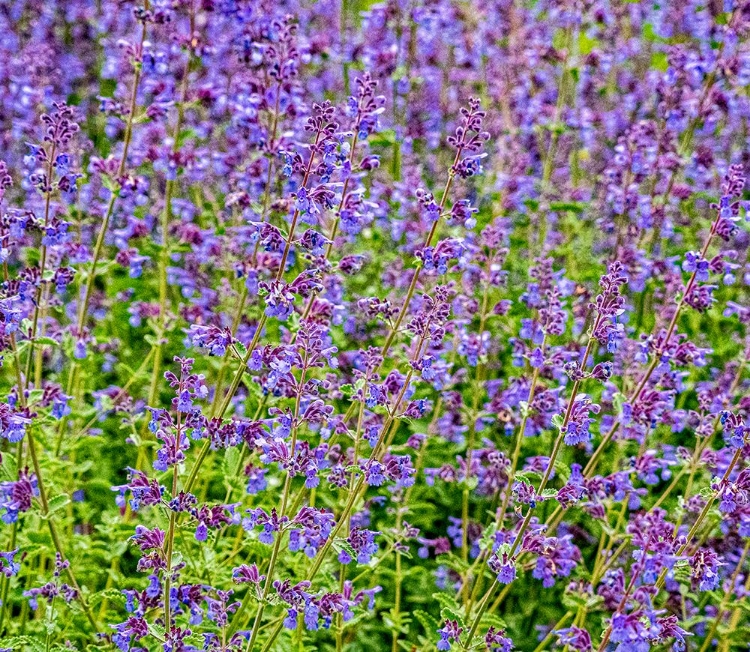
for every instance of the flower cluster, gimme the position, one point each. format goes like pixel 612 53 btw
pixel 392 325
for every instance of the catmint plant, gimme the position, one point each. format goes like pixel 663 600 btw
pixel 383 326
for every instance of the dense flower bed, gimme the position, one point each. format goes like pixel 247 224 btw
pixel 350 326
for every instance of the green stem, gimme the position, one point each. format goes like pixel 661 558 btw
pixel 542 485
pixel 53 532
pixel 166 218
pixel 38 302
pixel 170 546
pixel 730 587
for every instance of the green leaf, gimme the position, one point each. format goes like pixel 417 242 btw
pixel 241 349
pixel 491 620
pixel 456 563
pixel 452 614
pixel 659 61
pixel 109 183
pixel 586 44
pixel 8 467
pixel 445 600
pixel 682 571
pixel 57 503
pixel 528 476
pixel 23 643
pixel 430 624
pixel 573 601
pixel 594 602
pixel 157 630
pixel 397 621
pixel 347 389
pixel 572 206
pixel 383 138
pixel 231 460
pixel 342 544
pixel 110 595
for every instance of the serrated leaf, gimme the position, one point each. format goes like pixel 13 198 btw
pixel 347 389
pixel 156 630
pixel 491 620
pixel 594 602
pixel 430 624
pixel 110 595
pixel 56 503
pixel 8 467
pixel 110 184
pixel 452 614
pixel 456 563
pixel 528 477
pixel 23 643
pixel 342 544
pixel 241 349
pixel 398 621
pixel 445 600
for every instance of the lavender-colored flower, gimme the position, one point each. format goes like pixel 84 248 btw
pixel 449 632
pixel 574 637
pixel 9 566
pixel 16 496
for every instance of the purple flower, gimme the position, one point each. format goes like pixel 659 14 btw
pixel 16 496
pixel 575 637
pixel 504 567
pixel 147 539
pixel 244 574
pixel 8 564
pixel 449 632
pixel 705 569
pixel 363 543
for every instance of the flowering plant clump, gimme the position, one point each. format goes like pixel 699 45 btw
pixel 415 325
